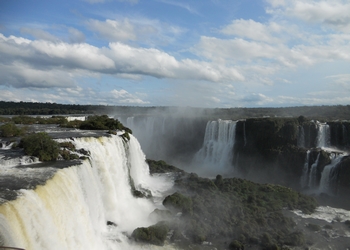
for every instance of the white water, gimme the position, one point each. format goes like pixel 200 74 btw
pixel 327 213
pixel 313 172
pixel 217 150
pixel 323 135
pixel 325 176
pixel 72 209
pixel 304 177
pixel 301 137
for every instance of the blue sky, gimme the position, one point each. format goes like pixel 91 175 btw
pixel 208 53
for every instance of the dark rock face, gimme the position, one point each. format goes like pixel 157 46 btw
pixel 266 150
pixel 340 134
pixel 275 149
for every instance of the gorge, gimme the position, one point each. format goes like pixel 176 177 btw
pixel 97 208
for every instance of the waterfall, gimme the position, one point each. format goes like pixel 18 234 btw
pixel 72 209
pixel 313 172
pixel 301 137
pixel 323 135
pixel 217 150
pixel 325 176
pixel 345 135
pixel 304 177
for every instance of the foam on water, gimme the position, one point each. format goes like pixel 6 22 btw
pixel 72 209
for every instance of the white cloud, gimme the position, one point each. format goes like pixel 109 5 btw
pixel 43 59
pixel 124 97
pixel 113 30
pixel 236 49
pixel 139 30
pixel 76 36
pixel 22 76
pixel 40 34
pixel 332 13
pixel 253 30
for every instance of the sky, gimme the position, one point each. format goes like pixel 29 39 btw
pixel 198 53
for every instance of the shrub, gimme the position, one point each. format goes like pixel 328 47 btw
pixel 178 203
pixel 40 145
pixel 155 234
pixel 10 130
pixel 236 245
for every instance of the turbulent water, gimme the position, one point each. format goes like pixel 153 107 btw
pixel 72 209
pixel 216 154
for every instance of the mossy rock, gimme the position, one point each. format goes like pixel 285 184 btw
pixel 155 235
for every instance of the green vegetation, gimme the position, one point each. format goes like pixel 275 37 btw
pixel 311 112
pixel 102 122
pixel 35 108
pixel 178 202
pixel 155 234
pixel 11 130
pixel 161 167
pixel 40 145
pixel 233 210
pixel 28 120
pixel 66 151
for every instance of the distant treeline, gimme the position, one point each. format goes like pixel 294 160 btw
pixel 37 108
pixel 341 112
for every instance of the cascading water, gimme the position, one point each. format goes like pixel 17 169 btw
pixel 323 135
pixel 217 150
pixel 304 177
pixel 301 137
pixel 313 173
pixel 72 209
pixel 326 173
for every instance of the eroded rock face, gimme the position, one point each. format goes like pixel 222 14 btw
pixel 277 150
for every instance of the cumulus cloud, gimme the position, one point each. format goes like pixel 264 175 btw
pixel 39 34
pixel 332 13
pixel 124 97
pixel 44 59
pixel 253 30
pixel 235 49
pixel 113 30
pixel 21 76
pixel 139 30
pixel 76 36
